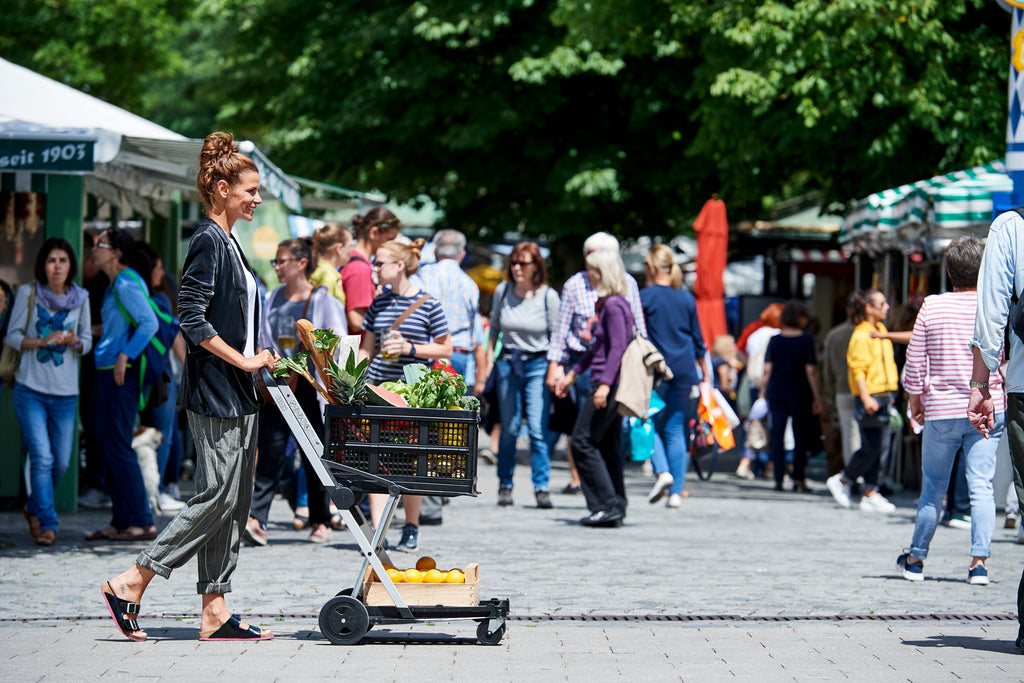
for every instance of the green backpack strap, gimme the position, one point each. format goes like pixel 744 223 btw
pixel 157 344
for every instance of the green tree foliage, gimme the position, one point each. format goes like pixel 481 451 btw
pixel 112 49
pixel 556 117
pixel 844 96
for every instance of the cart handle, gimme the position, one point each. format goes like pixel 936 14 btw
pixel 393 488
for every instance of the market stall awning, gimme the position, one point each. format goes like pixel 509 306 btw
pixel 49 127
pixel 953 201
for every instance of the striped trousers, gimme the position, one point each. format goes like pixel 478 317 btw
pixel 210 525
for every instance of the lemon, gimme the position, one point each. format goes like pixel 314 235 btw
pixel 396 575
pixel 413 576
pixel 434 576
pixel 455 576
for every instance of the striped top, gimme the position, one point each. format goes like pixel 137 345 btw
pixel 577 312
pixel 939 357
pixel 426 323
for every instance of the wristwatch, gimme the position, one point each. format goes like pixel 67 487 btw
pixel 412 350
pixel 979 385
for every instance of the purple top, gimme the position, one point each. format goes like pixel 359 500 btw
pixel 612 335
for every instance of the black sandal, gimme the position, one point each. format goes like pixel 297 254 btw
pixel 232 630
pixel 123 613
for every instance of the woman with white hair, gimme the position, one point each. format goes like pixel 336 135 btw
pixel 596 438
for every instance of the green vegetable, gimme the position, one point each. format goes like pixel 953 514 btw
pixel 300 366
pixel 436 389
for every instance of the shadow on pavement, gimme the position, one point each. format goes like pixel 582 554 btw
pixel 966 643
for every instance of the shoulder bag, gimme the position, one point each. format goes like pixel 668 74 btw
pixel 10 359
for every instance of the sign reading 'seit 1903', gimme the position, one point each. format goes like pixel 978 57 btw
pixel 46 155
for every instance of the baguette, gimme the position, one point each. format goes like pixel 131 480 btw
pixel 305 332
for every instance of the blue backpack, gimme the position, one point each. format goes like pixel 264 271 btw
pixel 153 360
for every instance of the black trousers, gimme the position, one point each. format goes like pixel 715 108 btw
pixel 597 451
pixel 272 463
pixel 1015 431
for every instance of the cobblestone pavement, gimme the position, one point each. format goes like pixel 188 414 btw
pixel 740 582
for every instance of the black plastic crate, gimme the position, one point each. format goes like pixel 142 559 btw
pixel 423 450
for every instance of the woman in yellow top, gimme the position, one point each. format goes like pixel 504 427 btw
pixel 332 245
pixel 873 377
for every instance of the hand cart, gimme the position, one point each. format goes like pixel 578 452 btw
pixel 396 451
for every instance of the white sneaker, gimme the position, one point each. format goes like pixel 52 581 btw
pixel 661 486
pixel 744 472
pixel 94 499
pixel 840 490
pixel 674 501
pixel 168 504
pixel 876 503
pixel 173 491
pixel 647 468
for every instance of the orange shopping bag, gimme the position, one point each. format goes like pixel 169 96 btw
pixel 709 411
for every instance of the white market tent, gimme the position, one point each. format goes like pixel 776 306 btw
pixel 898 217
pixel 137 162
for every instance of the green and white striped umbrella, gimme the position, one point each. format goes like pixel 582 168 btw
pixel 952 201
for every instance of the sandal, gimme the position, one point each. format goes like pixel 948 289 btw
pixel 337 521
pixel 33 522
pixel 300 522
pixel 107 533
pixel 46 537
pixel 123 613
pixel 142 534
pixel 232 630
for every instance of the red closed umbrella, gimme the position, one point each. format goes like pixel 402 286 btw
pixel 712 229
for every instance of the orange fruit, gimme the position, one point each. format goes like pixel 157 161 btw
pixel 388 566
pixel 455 576
pixel 433 576
pixel 425 564
pixel 413 576
pixel 396 575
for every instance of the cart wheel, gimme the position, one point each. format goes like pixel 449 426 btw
pixel 344 620
pixel 487 638
pixel 345 591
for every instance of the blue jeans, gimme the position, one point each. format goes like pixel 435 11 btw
pixel 462 362
pixel 115 422
pixel 48 429
pixel 940 442
pixel 512 390
pixel 671 445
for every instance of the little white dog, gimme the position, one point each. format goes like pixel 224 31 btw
pixel 144 442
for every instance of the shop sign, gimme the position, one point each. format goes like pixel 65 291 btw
pixel 46 155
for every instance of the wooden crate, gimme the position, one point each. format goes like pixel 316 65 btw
pixel 427 594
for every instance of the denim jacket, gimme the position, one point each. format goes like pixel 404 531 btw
pixel 213 301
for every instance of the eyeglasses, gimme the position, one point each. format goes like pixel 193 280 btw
pixel 275 262
pixel 381 264
pixel 522 264
pixel 104 245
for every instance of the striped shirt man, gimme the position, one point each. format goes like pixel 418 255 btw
pixel 459 296
pixel 576 312
pixel 426 323
pixel 939 357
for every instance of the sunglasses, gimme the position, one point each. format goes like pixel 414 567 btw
pixel 275 262
pixel 522 264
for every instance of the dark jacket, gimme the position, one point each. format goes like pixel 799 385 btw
pixel 212 301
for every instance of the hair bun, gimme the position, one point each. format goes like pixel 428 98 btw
pixel 216 146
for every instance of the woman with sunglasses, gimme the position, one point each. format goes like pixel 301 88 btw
pixel 524 313
pixel 294 300
pixel 421 338
pixel 128 324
